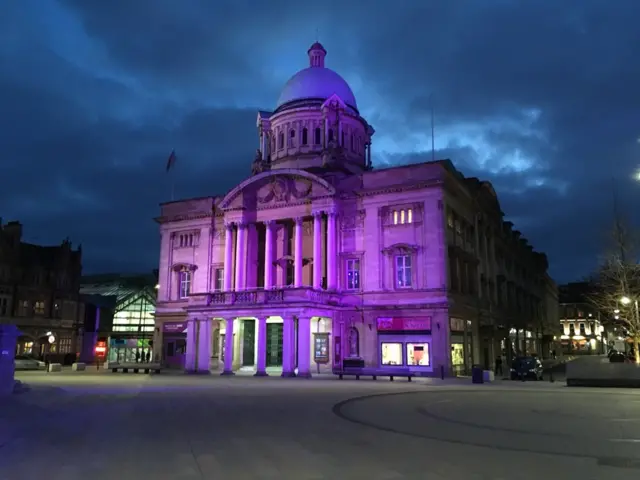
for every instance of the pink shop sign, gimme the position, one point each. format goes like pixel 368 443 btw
pixel 174 327
pixel 406 324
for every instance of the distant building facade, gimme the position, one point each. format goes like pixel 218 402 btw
pixel 582 329
pixel 317 258
pixel 122 312
pixel 39 292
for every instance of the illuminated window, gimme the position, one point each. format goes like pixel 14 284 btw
pixel 38 308
pixel 418 354
pixel 353 274
pixel 391 353
pixel 185 283
pixel 403 216
pixel 403 271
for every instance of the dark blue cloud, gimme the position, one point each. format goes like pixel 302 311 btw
pixel 541 98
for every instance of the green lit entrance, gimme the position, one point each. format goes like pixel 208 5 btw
pixel 248 343
pixel 274 344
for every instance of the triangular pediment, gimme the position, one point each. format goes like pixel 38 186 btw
pixel 334 101
pixel 277 188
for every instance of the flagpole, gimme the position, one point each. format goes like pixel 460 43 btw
pixel 433 136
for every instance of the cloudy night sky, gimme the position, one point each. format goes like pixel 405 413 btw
pixel 541 97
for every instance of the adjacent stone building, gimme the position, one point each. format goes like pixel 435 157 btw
pixel 39 292
pixel 318 258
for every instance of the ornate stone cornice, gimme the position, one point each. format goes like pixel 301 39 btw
pixel 400 188
pixel 401 249
pixel 178 267
pixel 182 217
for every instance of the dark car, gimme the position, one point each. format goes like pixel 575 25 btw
pixel 617 357
pixel 526 367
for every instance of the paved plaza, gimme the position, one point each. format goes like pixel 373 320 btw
pixel 109 426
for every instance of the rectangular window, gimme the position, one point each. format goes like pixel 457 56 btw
pixel 391 353
pixel 4 306
pixel 25 310
pixel 290 274
pixel 38 308
pixel 400 217
pixel 403 271
pixel 418 354
pixel 218 279
pixel 353 274
pixel 185 283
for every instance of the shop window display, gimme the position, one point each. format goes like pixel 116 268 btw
pixel 392 354
pixel 418 354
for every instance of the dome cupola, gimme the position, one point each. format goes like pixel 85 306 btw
pixel 316 82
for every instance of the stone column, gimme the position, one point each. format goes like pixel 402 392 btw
pixel 228 257
pixel 191 354
pixel 261 363
pixel 304 347
pixel 268 253
pixel 317 250
pixel 297 250
pixel 204 346
pixel 228 348
pixel 288 347
pixel 241 256
pixel 332 254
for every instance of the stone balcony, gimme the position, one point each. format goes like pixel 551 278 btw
pixel 260 297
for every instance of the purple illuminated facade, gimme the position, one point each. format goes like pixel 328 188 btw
pixel 316 257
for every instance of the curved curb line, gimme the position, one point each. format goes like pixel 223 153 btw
pixel 619 462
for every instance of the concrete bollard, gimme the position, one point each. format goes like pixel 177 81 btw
pixel 79 367
pixel 55 367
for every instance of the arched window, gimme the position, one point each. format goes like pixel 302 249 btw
pixel 281 140
pixel 354 342
pixel 331 135
pixel 292 138
pixel 318 139
pixel 304 136
pixel 342 139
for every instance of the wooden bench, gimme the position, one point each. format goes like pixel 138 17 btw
pixel 134 367
pixel 374 374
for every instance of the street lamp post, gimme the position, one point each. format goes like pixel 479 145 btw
pixel 636 311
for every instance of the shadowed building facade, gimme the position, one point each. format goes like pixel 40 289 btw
pixel 317 257
pixel 39 293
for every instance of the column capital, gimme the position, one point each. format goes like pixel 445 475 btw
pixel 317 213
pixel 332 213
pixel 269 223
pixel 242 225
pixel 298 220
pixel 228 224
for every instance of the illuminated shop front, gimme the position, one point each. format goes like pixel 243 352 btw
pixel 461 338
pixel 405 342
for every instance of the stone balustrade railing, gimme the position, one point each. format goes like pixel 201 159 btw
pixel 259 297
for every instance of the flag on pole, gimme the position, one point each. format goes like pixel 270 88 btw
pixel 171 160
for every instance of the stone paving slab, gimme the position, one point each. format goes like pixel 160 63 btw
pixel 206 428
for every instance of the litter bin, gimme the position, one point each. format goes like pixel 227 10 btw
pixel 477 374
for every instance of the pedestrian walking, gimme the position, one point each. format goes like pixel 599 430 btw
pixel 498 368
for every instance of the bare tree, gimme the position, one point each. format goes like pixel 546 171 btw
pixel 616 290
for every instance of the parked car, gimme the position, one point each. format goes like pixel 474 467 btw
pixel 25 362
pixel 617 357
pixel 526 367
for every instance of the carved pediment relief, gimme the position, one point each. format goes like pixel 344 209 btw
pixel 283 188
pixel 401 249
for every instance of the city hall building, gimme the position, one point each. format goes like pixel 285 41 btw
pixel 317 257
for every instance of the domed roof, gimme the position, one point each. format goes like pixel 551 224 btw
pixel 316 81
